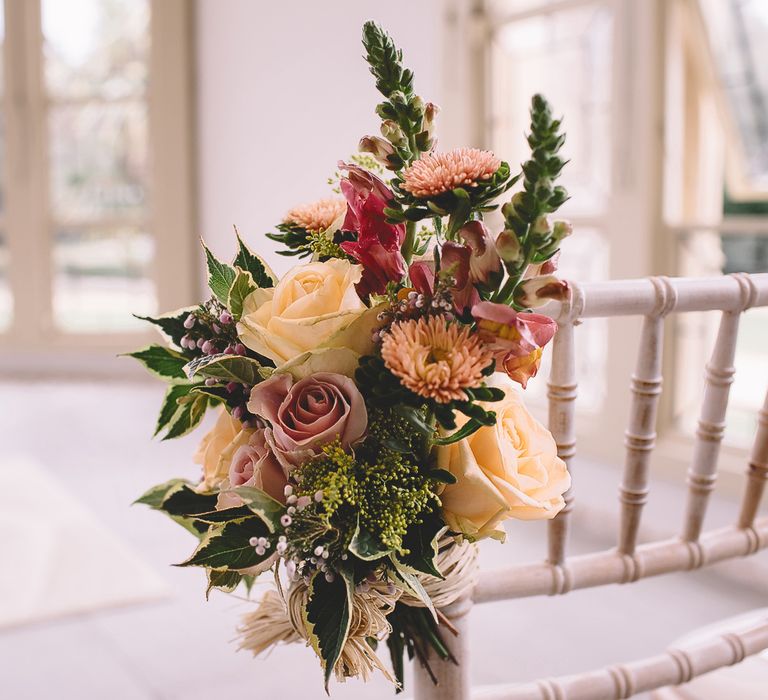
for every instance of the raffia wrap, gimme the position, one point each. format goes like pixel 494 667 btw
pixel 280 619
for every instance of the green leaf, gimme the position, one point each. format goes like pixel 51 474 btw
pixel 366 546
pixel 412 583
pixel 171 404
pixel 227 515
pixel 157 494
pixel 465 431
pixel 421 541
pixel 248 261
pixel 222 579
pixel 263 505
pixel 241 288
pixel 161 361
pixel 327 617
pixel 228 547
pixel 228 368
pixel 220 276
pixel 442 475
pixel 186 501
pixel 171 324
pixel 415 417
pixel 191 411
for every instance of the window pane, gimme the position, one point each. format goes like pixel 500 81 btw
pixel 738 31
pixel 96 48
pixel 101 277
pixel 6 298
pixel 565 55
pixel 98 161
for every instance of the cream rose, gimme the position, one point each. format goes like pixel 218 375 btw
pixel 307 310
pixel 218 447
pixel 508 470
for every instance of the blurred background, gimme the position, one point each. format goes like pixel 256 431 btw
pixel 130 128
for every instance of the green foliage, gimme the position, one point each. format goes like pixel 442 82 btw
pixel 220 276
pixel 406 120
pixel 227 546
pixel 155 496
pixel 297 240
pixel 171 324
pixel 223 580
pixel 181 410
pixel 162 362
pixel 228 368
pixel 328 615
pixel 263 505
pixel 524 214
pixel 240 289
pixel 248 261
pixel 421 542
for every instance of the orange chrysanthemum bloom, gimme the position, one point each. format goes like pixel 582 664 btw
pixel 316 216
pixel 435 173
pixel 435 358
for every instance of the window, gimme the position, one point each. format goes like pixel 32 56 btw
pixel 717 188
pixel 100 200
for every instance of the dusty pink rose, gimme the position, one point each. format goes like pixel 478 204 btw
pixel 308 414
pixel 254 464
pixel 516 339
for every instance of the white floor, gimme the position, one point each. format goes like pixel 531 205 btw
pixel 95 440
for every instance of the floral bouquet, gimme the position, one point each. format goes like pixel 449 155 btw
pixel 369 431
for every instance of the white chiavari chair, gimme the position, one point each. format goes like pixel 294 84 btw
pixel 652 300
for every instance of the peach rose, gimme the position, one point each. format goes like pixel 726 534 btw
pixel 508 470
pixel 307 310
pixel 253 464
pixel 218 447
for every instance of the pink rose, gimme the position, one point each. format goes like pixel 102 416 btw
pixel 254 464
pixel 309 414
pixel 516 339
pixel 378 243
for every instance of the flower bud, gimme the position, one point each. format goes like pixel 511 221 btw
pixel 508 246
pixel 391 131
pixel 431 110
pixel 562 229
pixel 377 147
pixel 537 291
pixel 417 104
pixel 541 227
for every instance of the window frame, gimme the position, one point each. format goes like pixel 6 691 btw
pixel 32 343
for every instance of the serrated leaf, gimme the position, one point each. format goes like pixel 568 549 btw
pixel 170 404
pixel 412 583
pixel 327 616
pixel 228 368
pixel 220 276
pixel 188 502
pixel 421 541
pixel 248 261
pixel 366 546
pixel 262 505
pixel 171 324
pixel 155 496
pixel 228 547
pixel 224 580
pixel 162 361
pixel 187 417
pixel 227 515
pixel 240 289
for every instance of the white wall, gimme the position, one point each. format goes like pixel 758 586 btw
pixel 283 93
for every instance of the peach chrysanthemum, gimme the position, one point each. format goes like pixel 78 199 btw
pixel 435 358
pixel 435 173
pixel 316 216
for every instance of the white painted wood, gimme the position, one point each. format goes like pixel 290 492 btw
pixel 561 392
pixel 757 473
pixel 675 667
pixel 652 299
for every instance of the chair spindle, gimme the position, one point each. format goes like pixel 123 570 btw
pixel 757 473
